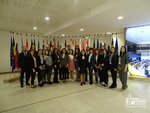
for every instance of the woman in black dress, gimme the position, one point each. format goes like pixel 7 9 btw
pixel 83 67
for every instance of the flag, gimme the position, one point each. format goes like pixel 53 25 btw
pixel 27 44
pixel 34 43
pixel 112 43
pixel 13 46
pixel 31 42
pixel 16 56
pixel 97 43
pixel 11 52
pixel 21 43
pixel 65 43
pixel 58 43
pixel 116 45
pixel 50 44
pixel 38 44
pixel 87 42
pixel 82 46
pixel 46 42
pixel 108 48
pixel 43 44
pixel 94 43
pixel 54 43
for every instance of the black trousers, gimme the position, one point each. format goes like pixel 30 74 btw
pixel 64 72
pixel 104 75
pixel 55 74
pixel 41 75
pixel 114 76
pixel 32 78
pixel 22 76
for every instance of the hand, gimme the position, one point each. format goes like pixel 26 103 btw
pixel 78 68
pixel 33 70
pixel 100 68
pixel 58 61
pixel 125 70
pixel 19 69
pixel 102 64
pixel 55 66
pixel 87 69
pixel 115 69
pixel 67 65
pixel 40 68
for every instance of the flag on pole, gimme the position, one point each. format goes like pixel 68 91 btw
pixel 21 43
pixel 34 43
pixel 43 44
pixel 116 45
pixel 27 46
pixel 97 43
pixel 58 43
pixel 38 44
pixel 31 42
pixel 11 52
pixel 94 44
pixel 50 44
pixel 16 56
pixel 65 43
pixel 112 42
pixel 82 46
pixel 46 42
pixel 54 43
pixel 108 48
pixel 13 46
pixel 87 42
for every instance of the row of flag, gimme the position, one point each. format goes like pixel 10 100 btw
pixel 53 44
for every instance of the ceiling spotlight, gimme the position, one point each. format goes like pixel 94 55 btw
pixel 120 17
pixel 81 29
pixel 108 33
pixel 62 35
pixel 46 18
pixel 35 28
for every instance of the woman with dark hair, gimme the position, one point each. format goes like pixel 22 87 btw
pixel 104 67
pixel 123 64
pixel 64 64
pixel 77 54
pixel 56 62
pixel 113 61
pixel 83 66
pixel 33 66
pixel 71 64
pixel 49 66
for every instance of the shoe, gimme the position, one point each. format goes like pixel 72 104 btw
pixel 121 89
pixel 112 87
pixel 91 83
pixel 81 84
pixel 84 83
pixel 35 85
pixel 105 85
pixel 50 83
pixel 32 86
pixel 27 84
pixel 21 86
pixel 57 82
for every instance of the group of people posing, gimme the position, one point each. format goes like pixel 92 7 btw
pixel 67 63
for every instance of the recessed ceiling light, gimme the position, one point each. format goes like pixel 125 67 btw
pixel 81 29
pixel 108 33
pixel 46 18
pixel 120 17
pixel 62 35
pixel 35 28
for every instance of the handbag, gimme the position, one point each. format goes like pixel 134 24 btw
pixel 119 68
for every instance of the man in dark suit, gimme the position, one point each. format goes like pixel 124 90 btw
pixel 23 66
pixel 91 61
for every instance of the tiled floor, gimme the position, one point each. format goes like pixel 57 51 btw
pixel 72 98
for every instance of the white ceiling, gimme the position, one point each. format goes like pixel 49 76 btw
pixel 68 16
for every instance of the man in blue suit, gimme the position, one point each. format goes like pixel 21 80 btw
pixel 91 61
pixel 23 66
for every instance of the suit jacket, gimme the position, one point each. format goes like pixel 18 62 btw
pixel 114 61
pixel 55 59
pixel 64 61
pixel 98 60
pixel 92 60
pixel 105 61
pixel 124 60
pixel 23 61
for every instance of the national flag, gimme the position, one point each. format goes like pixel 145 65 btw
pixel 97 43
pixel 38 44
pixel 94 43
pixel 43 44
pixel 50 44
pixel 13 46
pixel 82 46
pixel 112 42
pixel 21 43
pixel 58 43
pixel 87 42
pixel 116 45
pixel 11 52
pixel 65 43
pixel 46 42
pixel 108 48
pixel 27 46
pixel 54 41
pixel 32 42
pixel 16 56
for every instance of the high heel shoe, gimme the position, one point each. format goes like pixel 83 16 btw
pixel 81 84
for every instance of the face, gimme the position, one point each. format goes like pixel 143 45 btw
pixel 64 51
pixel 97 52
pixel 102 47
pixel 33 47
pixel 24 48
pixel 112 50
pixel 68 46
pixel 104 52
pixel 70 51
pixel 32 52
pixel 43 52
pixel 122 49
pixel 91 51
pixel 47 47
pixel 77 46
pixel 55 51
pixel 77 51
pixel 83 52
pixel 40 51
pixel 50 53
pixel 87 48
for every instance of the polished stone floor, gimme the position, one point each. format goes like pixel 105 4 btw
pixel 70 97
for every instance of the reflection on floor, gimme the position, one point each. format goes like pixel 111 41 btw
pixel 72 98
